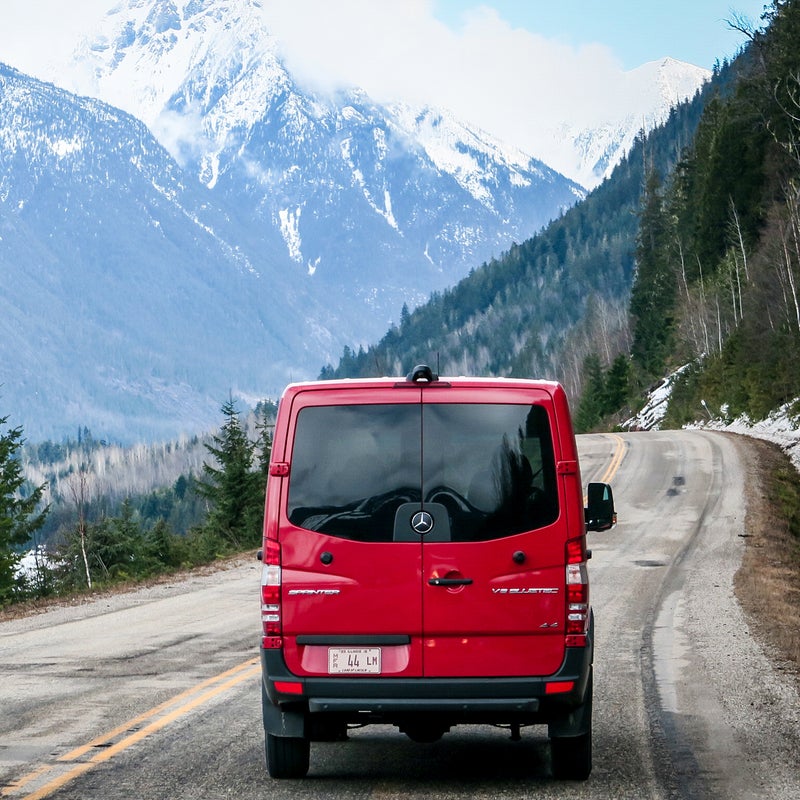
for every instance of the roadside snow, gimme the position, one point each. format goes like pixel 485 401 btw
pixel 779 427
pixel 30 563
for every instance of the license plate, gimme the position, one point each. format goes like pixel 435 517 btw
pixel 354 660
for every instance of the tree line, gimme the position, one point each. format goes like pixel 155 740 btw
pixel 219 512
pixel 718 245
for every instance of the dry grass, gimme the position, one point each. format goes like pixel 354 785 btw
pixel 768 582
pixel 30 607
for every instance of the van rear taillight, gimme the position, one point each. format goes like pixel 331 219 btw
pixel 577 580
pixel 271 597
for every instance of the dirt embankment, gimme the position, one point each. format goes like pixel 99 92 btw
pixel 768 582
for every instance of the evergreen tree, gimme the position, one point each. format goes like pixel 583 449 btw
pixel 264 427
pixel 116 546
pixel 617 388
pixel 592 405
pixel 233 488
pixel 265 424
pixel 654 292
pixel 162 547
pixel 19 518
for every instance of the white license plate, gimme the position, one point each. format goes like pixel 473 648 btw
pixel 354 660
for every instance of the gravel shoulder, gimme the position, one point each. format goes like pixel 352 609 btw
pixel 81 605
pixel 767 584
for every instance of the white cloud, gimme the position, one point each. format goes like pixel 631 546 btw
pixel 35 34
pixel 512 82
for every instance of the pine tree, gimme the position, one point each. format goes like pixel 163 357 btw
pixel 162 547
pixel 115 546
pixel 592 404
pixel 617 384
pixel 233 488
pixel 654 292
pixel 264 427
pixel 19 518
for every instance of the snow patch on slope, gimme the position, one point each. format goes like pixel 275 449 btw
pixel 782 426
pixel 290 230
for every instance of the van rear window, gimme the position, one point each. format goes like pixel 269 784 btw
pixel 491 466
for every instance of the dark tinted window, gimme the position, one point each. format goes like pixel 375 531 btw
pixel 491 467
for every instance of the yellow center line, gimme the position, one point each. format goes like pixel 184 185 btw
pixel 219 684
pixel 31 776
pixel 616 460
pixel 75 754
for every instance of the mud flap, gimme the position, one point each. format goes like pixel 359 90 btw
pixel 281 722
pixel 578 721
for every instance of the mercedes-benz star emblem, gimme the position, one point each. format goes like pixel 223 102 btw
pixel 422 522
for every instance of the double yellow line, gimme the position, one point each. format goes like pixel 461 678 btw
pixel 619 454
pixel 69 766
pixel 616 459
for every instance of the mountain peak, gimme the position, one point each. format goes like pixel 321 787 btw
pixel 288 224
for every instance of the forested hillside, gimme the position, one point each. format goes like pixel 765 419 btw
pixel 688 254
pixel 88 514
pixel 538 309
pixel 719 244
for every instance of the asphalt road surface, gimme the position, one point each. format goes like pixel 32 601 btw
pixel 155 693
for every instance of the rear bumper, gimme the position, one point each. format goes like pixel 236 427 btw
pixel 450 701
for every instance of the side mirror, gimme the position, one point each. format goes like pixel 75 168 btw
pixel 599 512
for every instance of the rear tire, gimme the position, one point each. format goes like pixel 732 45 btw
pixel 571 757
pixel 287 756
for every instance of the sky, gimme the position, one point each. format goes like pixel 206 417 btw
pixel 633 31
pixel 507 66
pixel 515 68
pixel 694 31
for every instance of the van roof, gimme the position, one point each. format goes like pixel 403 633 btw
pixel 456 381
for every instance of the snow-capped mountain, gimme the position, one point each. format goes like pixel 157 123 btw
pixel 646 95
pixel 227 230
pixel 141 291
pixel 131 302
pixel 375 203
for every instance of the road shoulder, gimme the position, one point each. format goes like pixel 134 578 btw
pixel 767 584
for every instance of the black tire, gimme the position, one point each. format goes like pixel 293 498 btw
pixel 571 757
pixel 287 756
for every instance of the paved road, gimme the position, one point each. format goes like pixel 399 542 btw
pixel 155 693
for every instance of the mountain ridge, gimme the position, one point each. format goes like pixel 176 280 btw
pixel 288 224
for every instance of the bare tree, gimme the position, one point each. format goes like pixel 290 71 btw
pixel 78 488
pixel 794 232
pixel 736 230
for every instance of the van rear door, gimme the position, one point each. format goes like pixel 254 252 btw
pixel 351 599
pixel 493 591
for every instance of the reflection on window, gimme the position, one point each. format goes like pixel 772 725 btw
pixel 490 466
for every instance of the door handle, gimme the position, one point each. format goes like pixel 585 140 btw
pixel 450 581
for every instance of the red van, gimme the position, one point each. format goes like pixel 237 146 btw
pixel 424 565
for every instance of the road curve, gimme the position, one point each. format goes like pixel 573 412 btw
pixel 154 693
